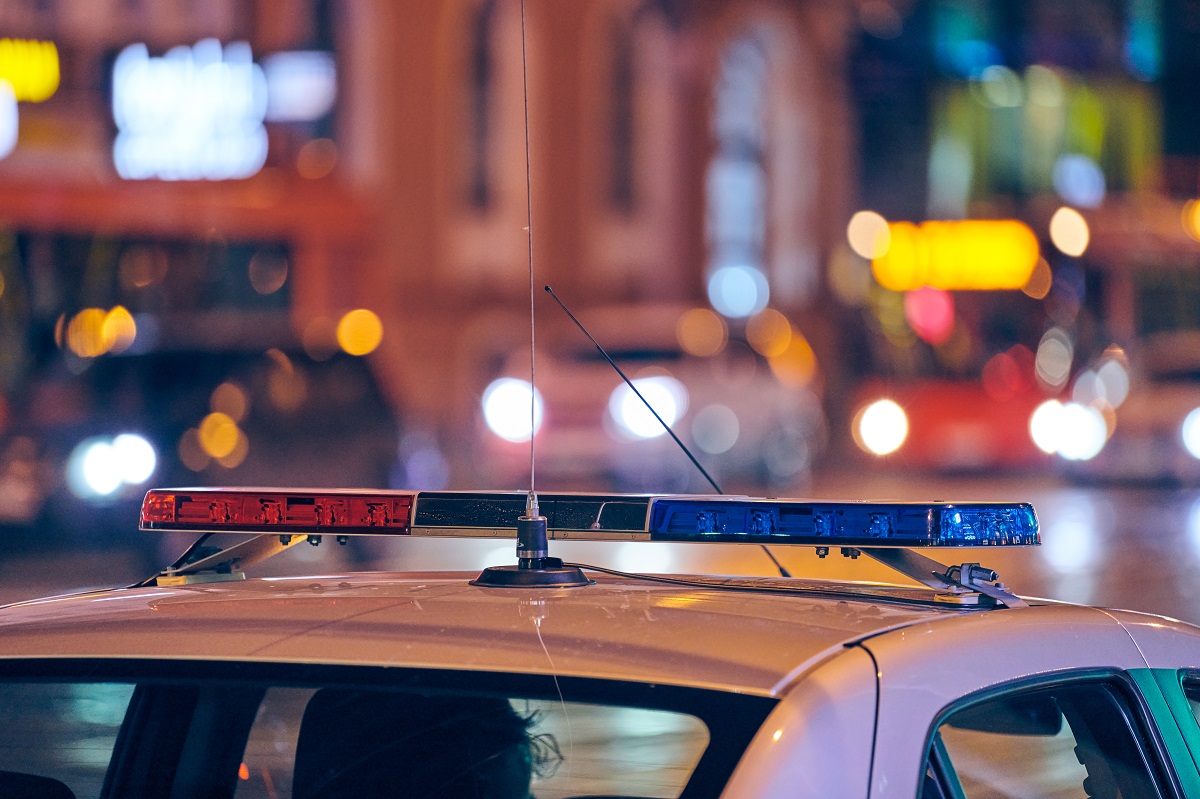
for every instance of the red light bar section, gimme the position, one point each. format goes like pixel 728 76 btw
pixel 256 511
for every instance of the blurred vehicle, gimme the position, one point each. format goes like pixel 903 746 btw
pixel 87 436
pixel 740 421
pixel 946 425
pixel 1137 413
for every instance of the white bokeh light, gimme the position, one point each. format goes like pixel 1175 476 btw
pixel 506 408
pixel 134 457
pixel 882 427
pixel 738 291
pixel 8 119
pixel 665 394
pixel 1082 433
pixel 1045 426
pixel 1191 432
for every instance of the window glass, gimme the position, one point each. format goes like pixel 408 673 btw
pixel 63 732
pixel 576 748
pixel 161 731
pixel 1059 742
pixel 1191 688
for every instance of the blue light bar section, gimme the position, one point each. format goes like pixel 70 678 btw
pixel 861 524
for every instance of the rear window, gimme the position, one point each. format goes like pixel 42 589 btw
pixel 174 730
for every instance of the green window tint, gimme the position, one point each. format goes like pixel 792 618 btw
pixel 1068 741
pixel 60 731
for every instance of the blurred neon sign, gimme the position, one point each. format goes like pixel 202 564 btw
pixel 195 113
pixel 972 254
pixel 31 67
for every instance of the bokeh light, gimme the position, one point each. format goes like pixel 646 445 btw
pixel 1045 426
pixel 85 333
pixel 665 395
pixel 1190 431
pixel 235 457
pixel 738 291
pixel 1079 180
pixel 796 366
pixel 191 454
pixel 1069 232
pixel 218 435
pixel 1041 280
pixel 230 399
pixel 769 333
pixel 701 332
pixel 119 330
pixel 1054 356
pixel 930 313
pixel 881 427
pixel 1083 433
pixel 268 271
pixel 135 458
pixel 971 254
pixel 10 125
pixel 715 429
pixel 359 332
pixel 1191 219
pixel 507 409
pixel 317 158
pixel 868 235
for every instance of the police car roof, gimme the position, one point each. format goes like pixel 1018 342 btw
pixel 748 640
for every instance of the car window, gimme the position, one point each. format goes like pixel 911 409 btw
pixel 156 736
pixel 1191 689
pixel 1068 741
pixel 63 732
pixel 580 748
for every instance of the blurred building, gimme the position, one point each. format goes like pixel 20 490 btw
pixel 666 140
pixel 249 172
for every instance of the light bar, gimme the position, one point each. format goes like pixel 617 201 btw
pixel 593 517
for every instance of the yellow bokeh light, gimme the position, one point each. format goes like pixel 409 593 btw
pixel 241 448
pixel 1191 219
pixel 230 399
pixel 701 332
pixel 966 255
pixel 796 366
pixel 359 332
pixel 218 435
pixel 769 333
pixel 85 333
pixel 869 234
pixel 119 330
pixel 1069 231
pixel 31 66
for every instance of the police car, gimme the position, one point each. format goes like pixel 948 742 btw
pixel 549 679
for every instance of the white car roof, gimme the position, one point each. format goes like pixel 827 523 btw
pixel 755 639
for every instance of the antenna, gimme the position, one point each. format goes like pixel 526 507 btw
pixel 782 570
pixel 632 387
pixel 534 566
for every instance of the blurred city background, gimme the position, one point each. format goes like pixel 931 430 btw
pixel 946 249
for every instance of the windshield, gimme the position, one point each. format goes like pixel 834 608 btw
pixel 175 730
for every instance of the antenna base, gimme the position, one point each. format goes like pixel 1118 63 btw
pixel 551 574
